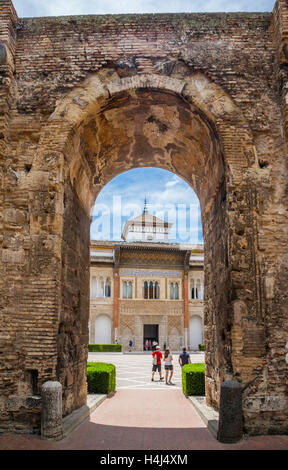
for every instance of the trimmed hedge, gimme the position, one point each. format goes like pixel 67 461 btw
pixel 101 377
pixel 104 347
pixel 201 347
pixel 193 379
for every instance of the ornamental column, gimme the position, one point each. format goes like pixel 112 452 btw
pixel 116 305
pixel 186 296
pixel 186 309
pixel 116 292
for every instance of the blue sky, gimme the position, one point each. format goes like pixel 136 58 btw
pixel 30 8
pixel 168 197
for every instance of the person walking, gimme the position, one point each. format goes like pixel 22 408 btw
pixel 184 358
pixel 168 358
pixel 146 345
pixel 154 344
pixel 157 356
pixel 130 345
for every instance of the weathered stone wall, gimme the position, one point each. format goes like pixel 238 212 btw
pixel 85 98
pixel 72 337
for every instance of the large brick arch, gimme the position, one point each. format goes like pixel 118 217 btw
pixel 67 86
pixel 220 184
pixel 87 98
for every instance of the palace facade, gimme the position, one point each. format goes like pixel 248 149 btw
pixel 145 288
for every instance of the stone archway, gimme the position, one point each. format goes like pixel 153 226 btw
pixel 56 86
pixel 107 125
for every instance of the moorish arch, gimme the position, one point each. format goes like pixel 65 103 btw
pixel 196 332
pixel 190 126
pixel 126 336
pixel 174 339
pixel 103 329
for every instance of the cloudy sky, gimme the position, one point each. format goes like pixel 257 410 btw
pixel 30 8
pixel 168 197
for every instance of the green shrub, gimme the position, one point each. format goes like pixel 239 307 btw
pixel 104 347
pixel 193 379
pixel 101 377
pixel 201 347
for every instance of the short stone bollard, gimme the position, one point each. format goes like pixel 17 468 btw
pixel 230 413
pixel 51 414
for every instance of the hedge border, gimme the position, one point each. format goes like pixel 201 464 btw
pixel 193 379
pixel 101 377
pixel 105 347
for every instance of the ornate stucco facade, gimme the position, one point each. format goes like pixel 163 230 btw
pixel 139 269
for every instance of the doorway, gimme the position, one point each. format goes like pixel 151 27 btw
pixel 150 334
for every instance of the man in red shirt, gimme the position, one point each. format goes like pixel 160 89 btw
pixel 157 367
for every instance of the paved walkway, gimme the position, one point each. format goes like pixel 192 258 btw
pixel 144 420
pixel 134 371
pixel 142 415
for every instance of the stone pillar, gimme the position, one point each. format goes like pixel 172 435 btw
pixel 51 414
pixel 230 413
pixel 186 309
pixel 116 305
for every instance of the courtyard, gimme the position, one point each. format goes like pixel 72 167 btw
pixel 133 371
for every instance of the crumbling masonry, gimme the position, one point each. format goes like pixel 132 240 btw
pixel 85 98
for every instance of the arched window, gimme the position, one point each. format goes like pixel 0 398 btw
pixel 129 290
pixel 124 290
pixel 176 291
pixel 108 287
pixel 145 290
pixel 171 291
pixel 192 289
pixel 157 290
pixel 150 290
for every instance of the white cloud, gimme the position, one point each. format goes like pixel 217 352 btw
pixel 174 180
pixel 124 195
pixel 27 8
